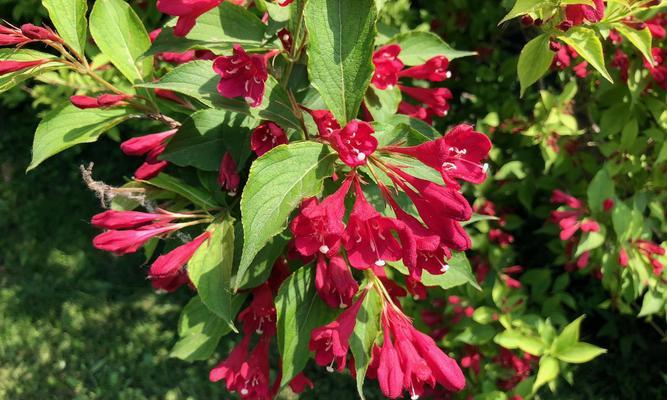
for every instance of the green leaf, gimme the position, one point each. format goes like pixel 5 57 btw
pixel 509 339
pixel 200 330
pixel 210 269
pixel 67 126
pixel 569 335
pixel 522 7
pixel 417 47
pixel 207 135
pixel 534 61
pixel 652 304
pixel 69 18
pixel 198 196
pixel 277 183
pixel 341 37
pixel 366 331
pixel 299 310
pixel 600 189
pixel 121 36
pixel 257 272
pixel 459 273
pixel 588 45
pixel 484 315
pixel 591 240
pixel 579 353
pixel 548 372
pixel 197 80
pixel 11 79
pixel 217 30
pixel 641 39
pixel 383 104
pixel 399 134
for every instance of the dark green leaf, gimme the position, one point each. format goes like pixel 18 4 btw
pixel 198 196
pixel 534 61
pixel 277 183
pixel 366 331
pixel 299 311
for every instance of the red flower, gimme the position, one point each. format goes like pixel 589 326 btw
pixel 228 177
pixel 150 169
pixel 387 66
pixel 318 228
pixel 285 3
pixel 11 37
pixel 368 238
pixel 658 70
pixel 415 111
pixel 434 70
pixel 260 316
pixel 420 361
pixel 265 137
pixel 577 13
pixel 172 57
pixel 355 142
pixel 436 98
pixel 105 100
pixel 326 123
pixel 334 282
pixel 227 369
pixel 38 33
pixel 170 264
pixel 243 75
pixel 457 155
pixel 113 219
pixel 300 382
pixel 331 342
pixel 129 241
pixel 187 12
pixel 143 145
pixel 560 197
pixel 171 283
pixel 622 62
pixel 581 69
pixel 9 66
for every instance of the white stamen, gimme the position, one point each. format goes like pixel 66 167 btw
pixel 249 100
pixel 416 297
pixel 380 263
pixel 244 391
pixel 448 74
pixel 447 166
pixel 324 249
pixel 485 167
pixel 286 37
pixel 330 366
pixel 361 156
pixel 444 268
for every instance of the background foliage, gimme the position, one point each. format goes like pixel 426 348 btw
pixel 77 323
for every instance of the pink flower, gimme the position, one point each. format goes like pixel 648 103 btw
pixel 150 169
pixel 435 98
pixel 415 112
pixel 285 3
pixel 658 70
pixel 623 257
pixel 560 197
pixel 227 369
pixel 228 177
pixel 434 70
pixel 326 123
pixel 369 240
pixel 265 137
pixel 334 282
pixel 457 155
pixel 622 62
pixel 260 316
pixel 38 33
pixel 355 142
pixel 171 263
pixel 657 25
pixel 187 12
pixel 331 342
pixel 387 66
pixel 11 37
pixel 129 241
pixel 580 70
pixel 171 283
pixel 577 13
pixel 113 219
pixel 243 75
pixel 300 382
pixel 9 66
pixel 252 379
pixel 143 145
pixel 318 228
pixel 415 362
pixel 105 100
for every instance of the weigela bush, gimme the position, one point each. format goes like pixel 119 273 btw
pixel 295 180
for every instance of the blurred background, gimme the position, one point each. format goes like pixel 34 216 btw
pixel 76 323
